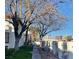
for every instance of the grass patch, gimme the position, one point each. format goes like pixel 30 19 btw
pixel 22 53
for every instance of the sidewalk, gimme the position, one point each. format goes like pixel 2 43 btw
pixel 46 55
pixel 35 54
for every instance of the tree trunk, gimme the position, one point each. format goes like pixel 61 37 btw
pixel 17 43
pixel 26 38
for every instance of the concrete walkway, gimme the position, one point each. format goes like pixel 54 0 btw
pixel 38 53
pixel 46 55
pixel 35 54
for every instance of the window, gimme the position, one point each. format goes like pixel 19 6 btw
pixel 6 37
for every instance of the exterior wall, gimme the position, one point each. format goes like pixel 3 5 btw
pixel 60 45
pixel 11 40
pixel 70 46
pixel 60 49
pixel 67 54
pixel 9 29
pixel 11 43
pixel 70 49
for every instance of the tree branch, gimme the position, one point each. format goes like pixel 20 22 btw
pixel 9 22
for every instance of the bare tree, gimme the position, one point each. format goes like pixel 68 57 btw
pixel 49 24
pixel 24 13
pixel 18 22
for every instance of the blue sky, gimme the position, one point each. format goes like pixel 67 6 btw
pixel 65 9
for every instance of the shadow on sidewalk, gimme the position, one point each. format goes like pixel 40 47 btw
pixel 46 54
